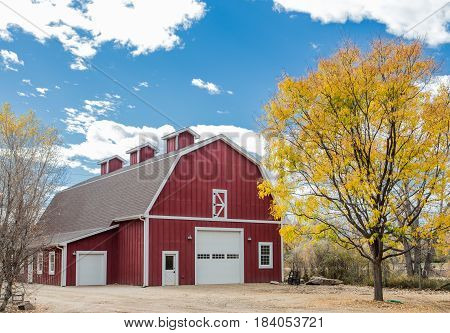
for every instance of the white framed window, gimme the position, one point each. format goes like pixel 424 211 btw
pixel 219 204
pixel 265 254
pixel 40 263
pixel 51 263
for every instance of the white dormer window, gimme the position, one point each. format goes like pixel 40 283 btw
pixel 219 204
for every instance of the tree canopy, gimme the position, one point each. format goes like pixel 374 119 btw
pixel 360 148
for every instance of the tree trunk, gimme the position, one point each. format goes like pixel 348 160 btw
pixel 7 296
pixel 428 259
pixel 417 258
pixel 408 259
pixel 376 249
pixel 377 281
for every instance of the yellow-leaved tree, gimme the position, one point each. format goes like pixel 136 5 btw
pixel 360 149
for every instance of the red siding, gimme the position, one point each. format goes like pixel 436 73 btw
pixel 115 164
pixel 130 240
pixel 171 235
pixel 45 278
pixel 188 192
pixel 103 168
pixel 105 241
pixel 185 139
pixel 170 144
pixel 133 158
pixel 146 153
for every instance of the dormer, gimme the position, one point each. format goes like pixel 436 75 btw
pixel 142 153
pixel 111 164
pixel 179 139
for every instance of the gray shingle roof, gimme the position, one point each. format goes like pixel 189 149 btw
pixel 94 203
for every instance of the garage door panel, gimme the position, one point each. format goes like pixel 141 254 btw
pixel 219 257
pixel 91 269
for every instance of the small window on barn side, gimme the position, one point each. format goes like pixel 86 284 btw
pixel 40 263
pixel 51 263
pixel 265 251
pixel 219 204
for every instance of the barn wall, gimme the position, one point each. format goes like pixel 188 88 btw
pixel 106 241
pixel 171 235
pixel 188 191
pixel 130 240
pixel 185 139
pixel 133 158
pixel 170 144
pixel 145 153
pixel 114 165
pixel 45 278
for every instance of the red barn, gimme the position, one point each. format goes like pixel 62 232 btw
pixel 189 216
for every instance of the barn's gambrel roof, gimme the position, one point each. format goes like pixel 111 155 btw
pixel 96 203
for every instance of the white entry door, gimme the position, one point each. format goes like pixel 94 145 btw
pixel 30 269
pixel 91 268
pixel 170 268
pixel 219 256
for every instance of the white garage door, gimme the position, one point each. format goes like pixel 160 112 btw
pixel 219 256
pixel 91 268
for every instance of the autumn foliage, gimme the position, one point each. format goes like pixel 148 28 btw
pixel 360 148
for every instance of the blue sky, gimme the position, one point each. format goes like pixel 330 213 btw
pixel 210 63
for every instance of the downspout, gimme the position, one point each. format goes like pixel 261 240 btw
pixel 145 250
pixel 63 263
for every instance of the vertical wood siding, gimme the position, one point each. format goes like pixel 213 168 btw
pixel 172 235
pixel 114 165
pixel 185 139
pixel 188 192
pixel 170 144
pixel 105 241
pixel 145 153
pixel 103 168
pixel 130 242
pixel 46 278
pixel 133 158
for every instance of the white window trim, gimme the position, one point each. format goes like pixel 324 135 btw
pixel 270 244
pixel 224 205
pixel 40 263
pixel 50 254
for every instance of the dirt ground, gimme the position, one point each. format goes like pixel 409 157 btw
pixel 232 298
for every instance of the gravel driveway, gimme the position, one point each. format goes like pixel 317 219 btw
pixel 232 298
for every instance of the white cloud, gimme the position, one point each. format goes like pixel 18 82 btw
pixel 22 94
pixel 436 82
pixel 9 60
pixel 141 26
pixel 222 112
pixel 212 88
pixel 130 106
pixel 229 92
pixel 136 89
pixel 143 84
pixel 79 121
pixel 78 65
pixel 27 81
pixel 249 140
pixel 104 138
pixel 42 91
pixel 399 16
pixel 314 46
pixel 98 107
pixel 57 87
pixel 110 96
